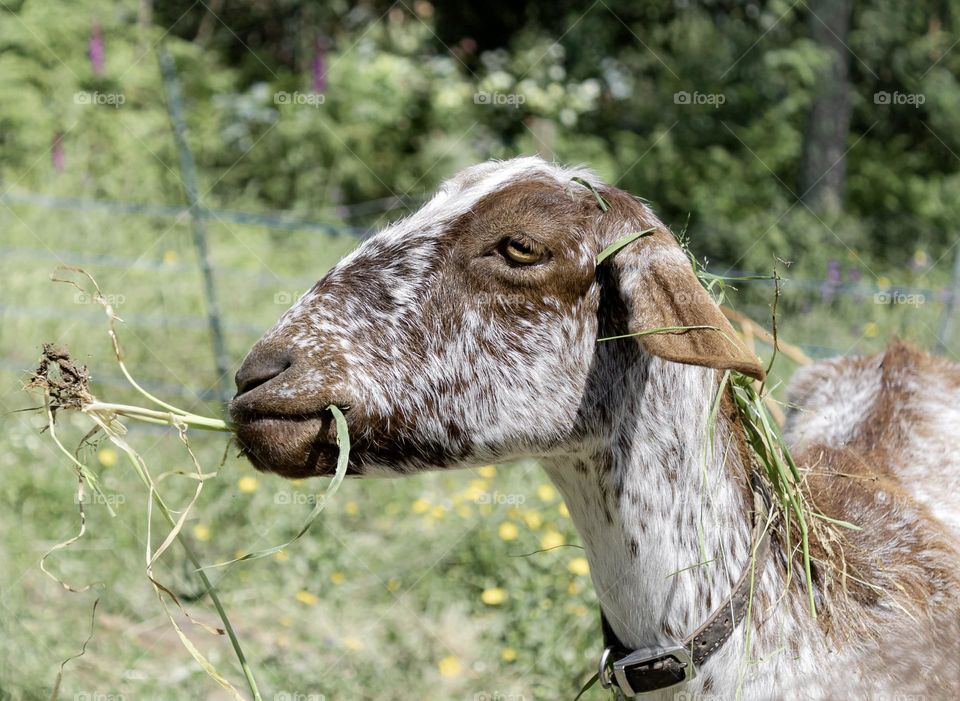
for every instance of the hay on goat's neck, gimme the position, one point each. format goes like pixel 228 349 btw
pixel 651 496
pixel 661 497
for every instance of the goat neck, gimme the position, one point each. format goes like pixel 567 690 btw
pixel 661 502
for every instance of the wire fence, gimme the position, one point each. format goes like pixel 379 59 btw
pixel 194 213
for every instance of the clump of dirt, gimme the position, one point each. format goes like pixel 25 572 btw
pixel 64 382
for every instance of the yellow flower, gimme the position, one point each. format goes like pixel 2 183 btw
pixel 883 282
pixel 282 555
pixel 353 644
pixel 870 329
pixel 248 484
pixel 546 492
pixel 464 511
pixel 351 508
pixel 393 585
pixel 438 512
pixel 508 654
pixel 420 506
pixel 573 588
pixel 201 532
pixel 551 539
pixel 107 457
pixel 562 509
pixel 338 577
pixel 305 597
pixel 533 520
pixel 475 492
pixel 449 666
pixel 488 471
pixel 480 486
pixel 579 566
pixel 170 256
pixel 493 596
pixel 286 621
pixel 579 611
pixel 508 531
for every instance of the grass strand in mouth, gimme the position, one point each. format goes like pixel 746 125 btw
pixel 320 500
pixel 65 387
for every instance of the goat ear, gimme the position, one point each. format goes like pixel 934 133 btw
pixel 661 291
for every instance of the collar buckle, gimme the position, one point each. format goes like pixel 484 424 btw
pixel 652 669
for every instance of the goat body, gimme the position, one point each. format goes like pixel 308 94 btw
pixel 469 333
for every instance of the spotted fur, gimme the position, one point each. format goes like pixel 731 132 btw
pixel 446 355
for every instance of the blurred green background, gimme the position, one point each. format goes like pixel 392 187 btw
pixel 824 133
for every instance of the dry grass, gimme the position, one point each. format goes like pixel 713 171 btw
pixel 65 386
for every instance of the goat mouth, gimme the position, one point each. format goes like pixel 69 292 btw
pixel 291 446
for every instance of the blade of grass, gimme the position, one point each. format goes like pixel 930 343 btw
pixel 83 651
pixel 620 243
pixel 140 468
pixel 602 203
pixel 343 444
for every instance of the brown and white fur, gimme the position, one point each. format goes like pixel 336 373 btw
pixel 448 353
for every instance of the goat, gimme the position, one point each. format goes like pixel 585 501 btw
pixel 468 334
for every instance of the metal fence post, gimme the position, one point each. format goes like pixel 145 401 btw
pixel 198 224
pixel 948 317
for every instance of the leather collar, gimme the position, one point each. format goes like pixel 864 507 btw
pixel 657 667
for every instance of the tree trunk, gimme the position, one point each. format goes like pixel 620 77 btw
pixel 823 165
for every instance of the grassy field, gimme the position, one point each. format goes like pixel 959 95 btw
pixel 416 588
pixel 404 589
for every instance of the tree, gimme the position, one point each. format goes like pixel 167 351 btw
pixel 823 163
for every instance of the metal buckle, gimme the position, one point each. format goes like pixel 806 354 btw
pixel 651 658
pixel 603 674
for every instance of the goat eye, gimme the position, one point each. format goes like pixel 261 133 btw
pixel 521 252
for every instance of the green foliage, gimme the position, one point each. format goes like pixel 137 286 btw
pixel 403 107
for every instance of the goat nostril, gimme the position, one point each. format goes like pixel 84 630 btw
pixel 260 368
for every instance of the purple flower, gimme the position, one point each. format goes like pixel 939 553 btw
pixel 833 272
pixel 96 49
pixel 320 68
pixel 57 157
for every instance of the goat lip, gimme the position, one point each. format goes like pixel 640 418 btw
pixel 291 446
pixel 242 415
